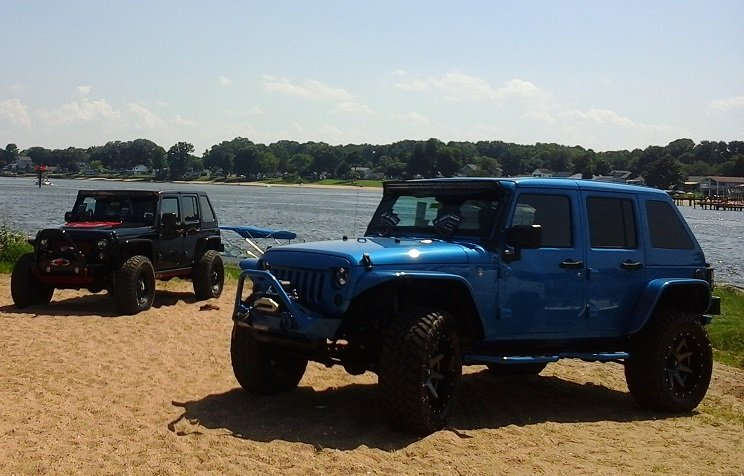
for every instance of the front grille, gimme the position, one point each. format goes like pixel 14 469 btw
pixel 308 284
pixel 61 246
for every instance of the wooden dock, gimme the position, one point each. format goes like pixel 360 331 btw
pixel 720 204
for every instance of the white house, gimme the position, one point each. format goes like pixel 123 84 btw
pixel 139 169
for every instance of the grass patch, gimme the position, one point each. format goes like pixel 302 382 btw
pixel 727 330
pixel 13 244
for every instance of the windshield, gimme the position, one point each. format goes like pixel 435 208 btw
pixel 135 210
pixel 438 214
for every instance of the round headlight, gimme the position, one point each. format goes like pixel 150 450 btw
pixel 340 277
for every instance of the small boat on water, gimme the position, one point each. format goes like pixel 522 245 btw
pixel 42 181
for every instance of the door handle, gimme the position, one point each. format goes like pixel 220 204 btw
pixel 571 264
pixel 631 265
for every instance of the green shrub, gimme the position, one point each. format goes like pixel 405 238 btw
pixel 12 245
pixel 727 330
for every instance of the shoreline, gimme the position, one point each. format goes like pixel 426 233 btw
pixel 245 183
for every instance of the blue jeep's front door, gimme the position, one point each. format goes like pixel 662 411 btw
pixel 542 292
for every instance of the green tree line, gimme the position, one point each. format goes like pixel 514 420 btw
pixel 660 166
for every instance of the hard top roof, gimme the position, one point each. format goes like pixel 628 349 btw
pixel 511 183
pixel 135 193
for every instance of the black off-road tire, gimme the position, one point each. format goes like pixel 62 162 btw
pixel 261 368
pixel 420 370
pixel 134 285
pixel 25 289
pixel 517 369
pixel 208 276
pixel 671 363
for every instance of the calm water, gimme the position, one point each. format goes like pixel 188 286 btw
pixel 318 214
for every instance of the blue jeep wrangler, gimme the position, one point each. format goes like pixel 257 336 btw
pixel 508 273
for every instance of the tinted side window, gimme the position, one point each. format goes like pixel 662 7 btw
pixel 665 227
pixel 170 205
pixel 206 209
pixel 611 223
pixel 190 212
pixel 552 212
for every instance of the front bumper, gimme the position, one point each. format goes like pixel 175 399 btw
pixel 276 314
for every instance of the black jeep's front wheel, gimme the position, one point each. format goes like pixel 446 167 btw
pixel 261 368
pixel 25 288
pixel 671 363
pixel 208 276
pixel 134 285
pixel 420 370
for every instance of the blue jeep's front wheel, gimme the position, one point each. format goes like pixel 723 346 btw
pixel 261 368
pixel 420 370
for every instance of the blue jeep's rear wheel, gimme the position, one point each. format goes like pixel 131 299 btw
pixel 420 370
pixel 671 363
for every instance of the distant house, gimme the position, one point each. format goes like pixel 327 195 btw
pixel 22 164
pixel 365 173
pixel 139 169
pixel 568 175
pixel 473 170
pixel 721 186
pixel 620 176
pixel 469 170
pixel 544 173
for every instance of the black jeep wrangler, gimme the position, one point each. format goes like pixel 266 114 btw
pixel 121 241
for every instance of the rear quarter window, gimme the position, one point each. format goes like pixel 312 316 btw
pixel 666 228
pixel 206 210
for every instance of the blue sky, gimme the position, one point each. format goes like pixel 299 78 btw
pixel 605 75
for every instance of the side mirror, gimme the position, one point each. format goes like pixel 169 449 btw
pixel 68 216
pixel 525 236
pixel 168 220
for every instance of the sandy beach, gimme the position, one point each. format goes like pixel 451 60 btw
pixel 87 392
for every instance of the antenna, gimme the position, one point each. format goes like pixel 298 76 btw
pixel 356 208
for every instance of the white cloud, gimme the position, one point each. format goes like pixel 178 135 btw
pixel 309 89
pixel 354 108
pixel 732 103
pixel 84 90
pixel 457 84
pixel 253 111
pixel 15 111
pixel 145 118
pixel 413 117
pixel 79 112
pixel 600 116
pixel 225 81
pixel 540 116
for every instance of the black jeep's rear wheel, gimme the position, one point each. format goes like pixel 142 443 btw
pixel 25 288
pixel 261 368
pixel 134 285
pixel 208 276
pixel 420 370
pixel 671 363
